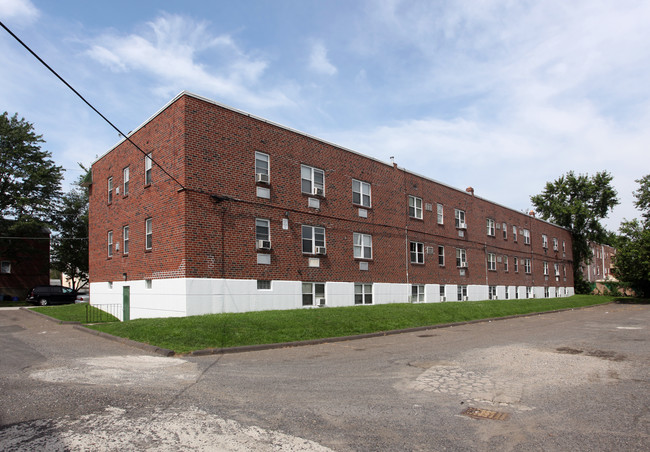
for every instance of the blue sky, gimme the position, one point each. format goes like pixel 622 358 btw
pixel 502 96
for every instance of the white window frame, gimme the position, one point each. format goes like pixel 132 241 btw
pixel 461 292
pixel 459 218
pixel 109 183
pixel 265 234
pixel 125 240
pixel 311 291
pixel 526 237
pixel 362 293
pixel 505 263
pixel 148 169
pixel 492 261
pixel 547 292
pixel 461 257
pixel 544 241
pixel 362 245
pixel 148 233
pixel 416 252
pixel 262 164
pixel 504 227
pixel 491 227
pixel 492 292
pixel 440 213
pixel 417 293
pixel 441 255
pixel 415 207
pixel 514 233
pixel 556 267
pixel 315 237
pixel 361 193
pixel 555 244
pixel 308 175
pixel 126 177
pixel 515 263
pixel 545 268
pixel 5 267
pixel 507 293
pixel 528 267
pixel 529 292
pixel 109 241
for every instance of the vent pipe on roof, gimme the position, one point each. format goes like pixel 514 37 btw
pixel 532 213
pixel 470 190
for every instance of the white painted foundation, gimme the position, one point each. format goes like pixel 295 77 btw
pixel 186 296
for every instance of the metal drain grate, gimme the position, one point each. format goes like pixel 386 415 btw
pixel 478 413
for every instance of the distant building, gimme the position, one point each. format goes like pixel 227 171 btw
pixel 228 212
pixel 24 263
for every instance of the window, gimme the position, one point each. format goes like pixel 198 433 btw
pixel 527 266
pixel 555 244
pixel 442 292
pixel 148 284
pixel 262 229
pixel 148 233
pixel 148 166
pixel 461 258
pixel 526 237
pixel 312 180
pixel 441 256
pixel 492 292
pixel 505 263
pixel 545 268
pixel 415 207
pixel 263 284
pixel 312 237
pixel 417 293
pixel 516 292
pixel 556 267
pixel 125 173
pixel 504 228
pixel 362 293
pixel 313 293
pixel 491 228
pixel 547 292
pixel 110 190
pixel 417 253
pixel 441 219
pixel 564 270
pixel 529 292
pixel 361 193
pixel 492 261
pixel 362 246
pixel 5 267
pixel 459 216
pixel 563 248
pixel 544 241
pixel 125 240
pixel 507 293
pixel 110 243
pixel 262 167
pixel 514 233
pixel 515 262
pixel 461 293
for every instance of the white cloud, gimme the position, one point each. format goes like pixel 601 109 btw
pixel 179 53
pixel 19 10
pixel 318 61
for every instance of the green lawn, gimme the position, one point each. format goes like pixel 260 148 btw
pixel 74 312
pixel 185 334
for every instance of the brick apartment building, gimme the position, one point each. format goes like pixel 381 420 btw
pixel 227 212
pixel 601 265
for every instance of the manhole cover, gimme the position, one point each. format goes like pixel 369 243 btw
pixel 478 413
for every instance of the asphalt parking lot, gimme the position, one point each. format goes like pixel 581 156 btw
pixel 575 380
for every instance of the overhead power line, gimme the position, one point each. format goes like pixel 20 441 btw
pixel 88 103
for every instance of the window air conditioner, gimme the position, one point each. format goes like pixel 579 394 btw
pixel 263 178
pixel 264 244
pixel 462 226
pixel 465 298
pixel 321 301
pixel 321 250
pixel 317 191
pixel 463 265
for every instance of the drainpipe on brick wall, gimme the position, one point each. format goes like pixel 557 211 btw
pixel 486 266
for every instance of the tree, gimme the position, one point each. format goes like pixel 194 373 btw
pixel 30 185
pixel 578 203
pixel 30 182
pixel 632 261
pixel 70 244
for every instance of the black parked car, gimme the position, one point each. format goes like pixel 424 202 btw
pixel 45 295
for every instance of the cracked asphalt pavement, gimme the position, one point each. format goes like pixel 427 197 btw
pixel 574 380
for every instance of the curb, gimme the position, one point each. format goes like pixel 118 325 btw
pixel 262 347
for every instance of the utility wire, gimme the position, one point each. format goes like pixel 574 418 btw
pixel 88 103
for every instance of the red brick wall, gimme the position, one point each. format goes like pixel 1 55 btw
pixel 217 146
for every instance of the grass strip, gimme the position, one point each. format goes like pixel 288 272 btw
pixel 74 312
pixel 185 334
